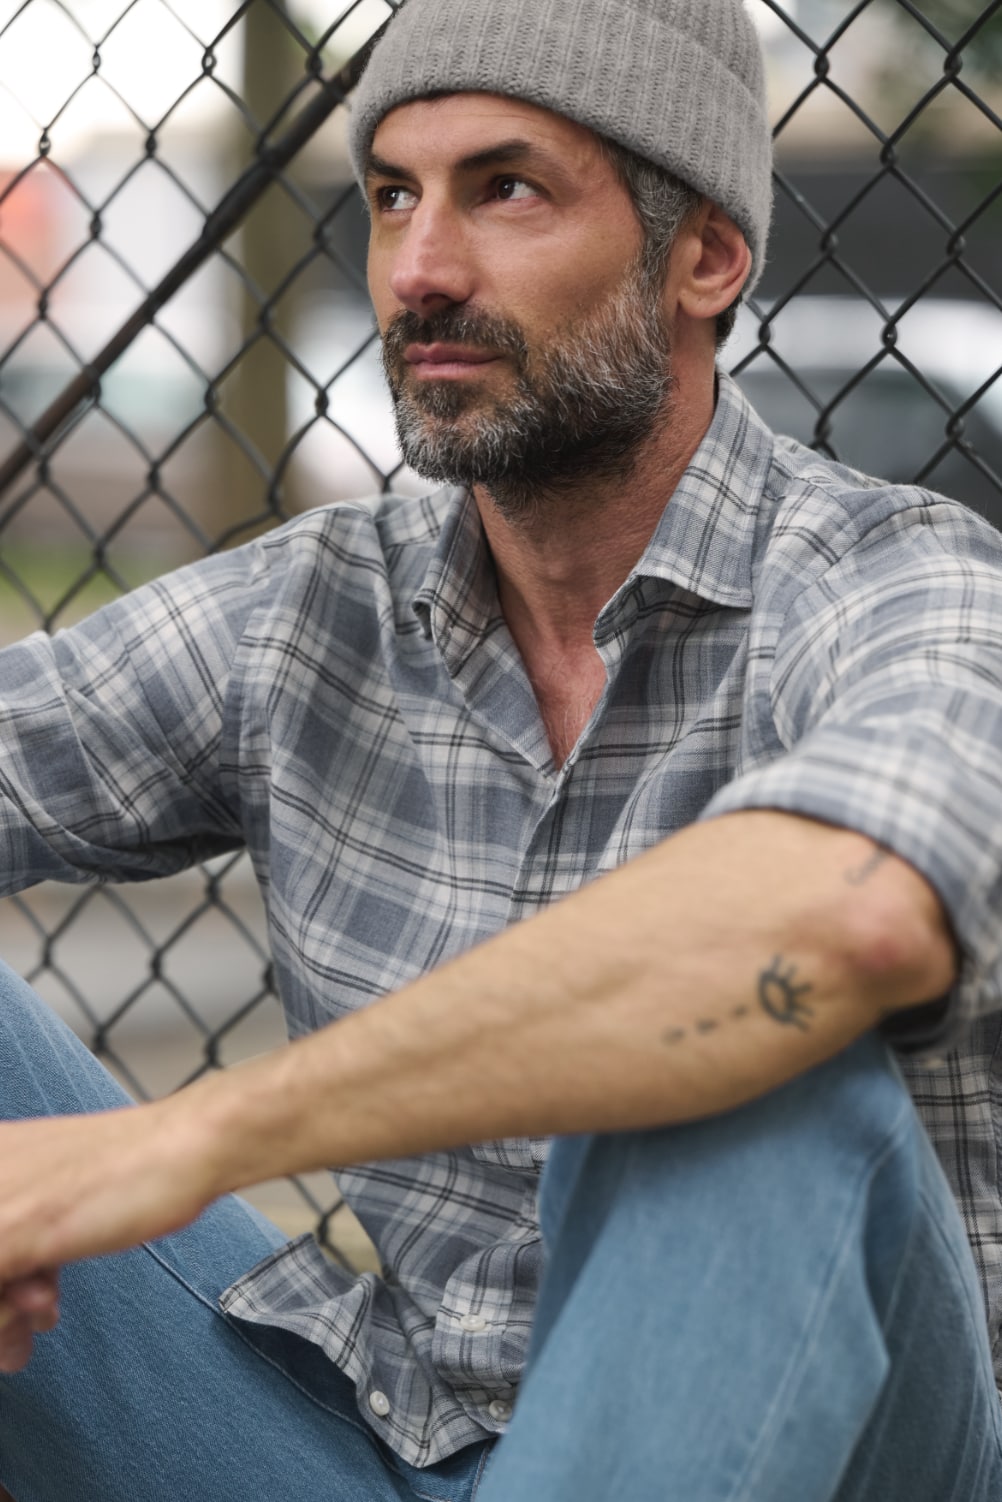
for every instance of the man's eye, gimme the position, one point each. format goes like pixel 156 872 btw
pixel 394 200
pixel 509 188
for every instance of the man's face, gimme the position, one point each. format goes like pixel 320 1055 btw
pixel 524 349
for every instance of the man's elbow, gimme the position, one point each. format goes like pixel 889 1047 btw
pixel 902 946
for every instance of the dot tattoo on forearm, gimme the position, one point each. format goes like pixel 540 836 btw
pixel 779 996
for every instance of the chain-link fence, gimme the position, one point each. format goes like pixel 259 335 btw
pixel 188 357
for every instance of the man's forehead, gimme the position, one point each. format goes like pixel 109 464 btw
pixel 457 127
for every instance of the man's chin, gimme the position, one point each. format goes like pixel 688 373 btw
pixel 436 452
pixel 445 416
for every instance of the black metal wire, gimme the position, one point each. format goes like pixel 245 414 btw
pixel 80 394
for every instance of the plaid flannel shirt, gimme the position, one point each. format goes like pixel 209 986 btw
pixel 343 697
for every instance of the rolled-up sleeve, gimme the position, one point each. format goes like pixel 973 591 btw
pixel 111 732
pixel 885 695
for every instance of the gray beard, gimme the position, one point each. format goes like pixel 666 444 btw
pixel 581 409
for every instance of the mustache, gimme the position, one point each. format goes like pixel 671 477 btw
pixel 483 331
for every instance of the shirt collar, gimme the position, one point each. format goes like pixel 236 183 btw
pixel 706 536
pixel 704 541
pixel 457 602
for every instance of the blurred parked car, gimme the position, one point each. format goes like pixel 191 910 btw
pixel 939 381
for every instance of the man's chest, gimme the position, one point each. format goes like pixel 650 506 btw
pixel 398 817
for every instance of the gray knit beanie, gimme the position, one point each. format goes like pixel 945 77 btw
pixel 680 82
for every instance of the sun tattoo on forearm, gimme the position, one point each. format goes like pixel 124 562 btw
pixel 782 998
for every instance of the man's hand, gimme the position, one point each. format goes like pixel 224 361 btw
pixel 75 1186
pixel 28 1307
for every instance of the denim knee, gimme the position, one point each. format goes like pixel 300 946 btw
pixel 45 1070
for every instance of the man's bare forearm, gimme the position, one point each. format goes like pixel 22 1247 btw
pixel 728 960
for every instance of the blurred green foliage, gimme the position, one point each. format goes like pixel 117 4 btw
pixel 982 53
pixel 58 583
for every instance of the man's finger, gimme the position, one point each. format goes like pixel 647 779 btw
pixel 44 1320
pixel 37 1292
pixel 28 1307
pixel 16 1343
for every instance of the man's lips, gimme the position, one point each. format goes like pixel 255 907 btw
pixel 446 360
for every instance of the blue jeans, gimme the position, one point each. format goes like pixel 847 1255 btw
pixel 775 1306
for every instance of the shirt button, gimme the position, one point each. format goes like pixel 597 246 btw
pixel 473 1322
pixel 500 1410
pixel 379 1403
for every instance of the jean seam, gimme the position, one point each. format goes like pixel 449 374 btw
pixel 745 1489
pixel 385 1454
pixel 486 1454
pixel 233 1325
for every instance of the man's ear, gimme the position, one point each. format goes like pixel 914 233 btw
pixel 713 263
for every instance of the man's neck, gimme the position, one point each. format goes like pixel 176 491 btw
pixel 561 561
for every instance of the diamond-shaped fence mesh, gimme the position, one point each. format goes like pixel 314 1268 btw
pixel 187 356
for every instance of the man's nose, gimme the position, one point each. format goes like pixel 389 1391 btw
pixel 431 265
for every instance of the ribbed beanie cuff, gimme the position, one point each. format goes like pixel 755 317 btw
pixel 680 82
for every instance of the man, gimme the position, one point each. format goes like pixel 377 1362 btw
pixel 714 716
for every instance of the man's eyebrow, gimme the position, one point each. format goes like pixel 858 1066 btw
pixel 506 154
pixel 377 166
pixel 515 152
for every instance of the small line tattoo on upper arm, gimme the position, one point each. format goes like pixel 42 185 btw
pixel 860 875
